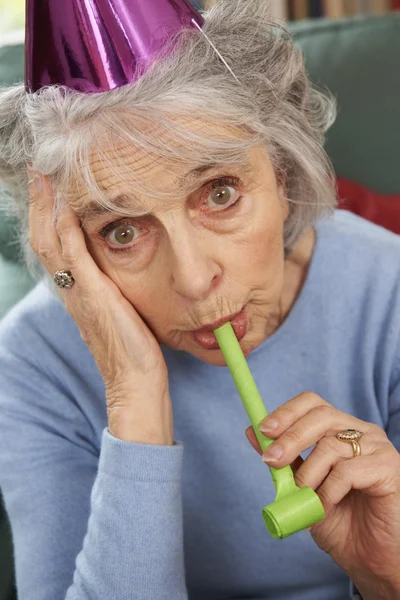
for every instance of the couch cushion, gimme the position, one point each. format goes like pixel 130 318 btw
pixel 7 579
pixel 379 208
pixel 11 71
pixel 11 64
pixel 358 59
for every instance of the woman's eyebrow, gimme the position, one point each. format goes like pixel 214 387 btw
pixel 90 211
pixel 131 204
pixel 199 171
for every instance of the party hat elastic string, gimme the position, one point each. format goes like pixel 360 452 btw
pixel 215 49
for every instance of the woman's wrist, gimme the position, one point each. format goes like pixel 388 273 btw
pixel 126 433
pixel 140 424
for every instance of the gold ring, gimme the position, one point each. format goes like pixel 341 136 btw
pixel 351 436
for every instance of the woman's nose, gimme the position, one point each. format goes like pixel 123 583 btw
pixel 195 271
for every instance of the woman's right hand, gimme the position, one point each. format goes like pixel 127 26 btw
pixel 127 354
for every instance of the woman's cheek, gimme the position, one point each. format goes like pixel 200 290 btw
pixel 124 264
pixel 260 248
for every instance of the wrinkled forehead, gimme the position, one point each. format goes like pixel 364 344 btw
pixel 132 163
pixel 168 161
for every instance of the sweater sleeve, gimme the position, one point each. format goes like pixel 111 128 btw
pixel 133 548
pixel 86 524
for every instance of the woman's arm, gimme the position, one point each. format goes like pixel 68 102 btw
pixel 84 526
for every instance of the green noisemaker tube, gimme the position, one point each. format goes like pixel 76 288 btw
pixel 294 508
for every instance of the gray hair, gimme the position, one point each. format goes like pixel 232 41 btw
pixel 273 103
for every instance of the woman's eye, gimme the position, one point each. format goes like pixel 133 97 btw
pixel 123 235
pixel 222 196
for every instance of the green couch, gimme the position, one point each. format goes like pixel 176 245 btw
pixel 359 60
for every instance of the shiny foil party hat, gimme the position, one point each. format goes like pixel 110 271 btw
pixel 98 45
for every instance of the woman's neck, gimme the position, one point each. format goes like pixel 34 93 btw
pixel 296 268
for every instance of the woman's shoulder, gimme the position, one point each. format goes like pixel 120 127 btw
pixel 356 276
pixel 357 249
pixel 358 231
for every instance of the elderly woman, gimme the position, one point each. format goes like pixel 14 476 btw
pixel 194 193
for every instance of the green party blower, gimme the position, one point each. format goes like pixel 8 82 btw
pixel 294 508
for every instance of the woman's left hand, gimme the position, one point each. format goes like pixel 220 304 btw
pixel 361 495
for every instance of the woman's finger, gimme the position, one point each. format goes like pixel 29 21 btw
pixel 374 474
pixel 322 421
pixel 290 412
pixel 296 464
pixel 251 436
pixel 60 245
pixel 74 251
pixel 329 452
pixel 284 417
pixel 42 235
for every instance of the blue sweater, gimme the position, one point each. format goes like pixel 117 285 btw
pixel 96 518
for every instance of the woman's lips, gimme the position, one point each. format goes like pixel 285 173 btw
pixel 206 338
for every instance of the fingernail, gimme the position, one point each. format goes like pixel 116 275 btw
pixel 273 453
pixel 269 425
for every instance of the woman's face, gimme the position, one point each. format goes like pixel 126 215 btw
pixel 189 262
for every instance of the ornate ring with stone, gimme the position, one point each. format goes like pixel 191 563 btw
pixel 351 436
pixel 64 279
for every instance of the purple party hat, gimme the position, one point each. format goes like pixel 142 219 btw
pixel 98 45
